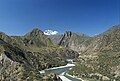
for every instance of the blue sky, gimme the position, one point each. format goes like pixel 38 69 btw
pixel 87 16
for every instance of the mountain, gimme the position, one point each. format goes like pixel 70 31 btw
pixel 37 37
pixel 34 41
pixel 22 57
pixel 31 40
pixel 55 38
pixel 73 41
pixel 101 58
pixel 5 37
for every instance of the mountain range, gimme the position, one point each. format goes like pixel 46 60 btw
pixel 22 57
pixel 97 58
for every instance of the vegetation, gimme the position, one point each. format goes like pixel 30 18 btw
pixel 101 59
pixel 22 57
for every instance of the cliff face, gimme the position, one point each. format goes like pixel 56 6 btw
pixel 55 38
pixel 73 41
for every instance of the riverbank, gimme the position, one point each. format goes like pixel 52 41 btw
pixel 62 72
pixel 75 77
pixel 68 65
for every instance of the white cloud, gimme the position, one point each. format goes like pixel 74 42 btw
pixel 50 32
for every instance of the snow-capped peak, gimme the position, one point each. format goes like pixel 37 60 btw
pixel 50 32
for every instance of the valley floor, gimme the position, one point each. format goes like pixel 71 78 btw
pixel 62 72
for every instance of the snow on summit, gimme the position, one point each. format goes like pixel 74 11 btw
pixel 50 32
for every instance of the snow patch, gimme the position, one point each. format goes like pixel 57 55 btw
pixel 50 32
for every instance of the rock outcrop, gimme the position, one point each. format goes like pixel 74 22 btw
pixel 71 40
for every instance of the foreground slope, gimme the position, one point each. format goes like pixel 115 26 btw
pixel 101 59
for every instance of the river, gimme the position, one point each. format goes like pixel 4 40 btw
pixel 62 71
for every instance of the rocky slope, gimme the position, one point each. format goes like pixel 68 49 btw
pixel 71 40
pixel 55 38
pixel 22 57
pixel 74 41
pixel 101 59
pixel 36 37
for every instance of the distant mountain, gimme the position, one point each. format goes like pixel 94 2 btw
pixel 55 38
pixel 101 58
pixel 73 41
pixel 37 37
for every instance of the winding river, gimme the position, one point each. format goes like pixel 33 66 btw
pixel 62 71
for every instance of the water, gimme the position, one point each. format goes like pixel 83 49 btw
pixel 62 72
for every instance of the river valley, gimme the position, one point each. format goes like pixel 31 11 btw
pixel 62 71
